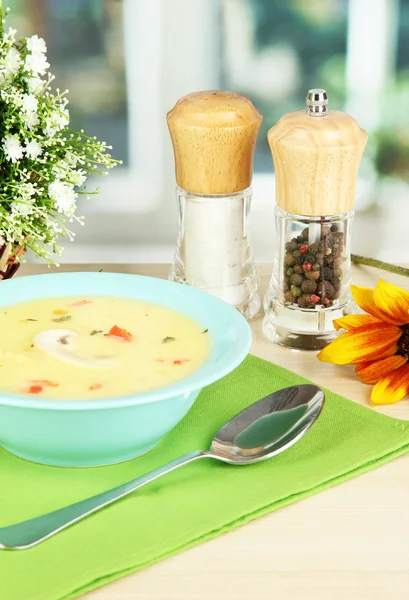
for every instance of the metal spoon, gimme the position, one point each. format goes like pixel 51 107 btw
pixel 260 431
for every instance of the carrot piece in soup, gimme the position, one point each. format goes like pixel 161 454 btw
pixel 81 303
pixel 120 334
pixel 46 382
pixel 181 361
pixel 95 386
pixel 60 311
pixel 35 389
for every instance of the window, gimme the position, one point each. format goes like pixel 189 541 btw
pixel 126 63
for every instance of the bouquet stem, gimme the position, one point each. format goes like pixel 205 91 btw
pixel 378 264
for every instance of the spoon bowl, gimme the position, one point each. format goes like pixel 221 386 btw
pixel 269 426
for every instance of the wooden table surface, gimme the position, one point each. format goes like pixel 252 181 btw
pixel 350 542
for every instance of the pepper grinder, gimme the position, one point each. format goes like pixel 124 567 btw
pixel 213 136
pixel 316 154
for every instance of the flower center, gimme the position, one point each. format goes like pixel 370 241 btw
pixel 403 342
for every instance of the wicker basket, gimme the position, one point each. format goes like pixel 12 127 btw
pixel 9 262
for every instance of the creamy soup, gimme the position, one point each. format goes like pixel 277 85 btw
pixel 96 347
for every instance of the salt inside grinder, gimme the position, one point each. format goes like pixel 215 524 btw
pixel 213 136
pixel 316 154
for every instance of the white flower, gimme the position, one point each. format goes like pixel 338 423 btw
pixel 56 122
pixel 27 190
pixel 35 85
pixel 33 149
pixel 36 63
pixel 12 95
pixel 12 62
pixel 29 103
pixel 10 35
pixel 60 169
pixel 12 148
pixel 31 119
pixel 36 45
pixel 22 207
pixel 78 177
pixel 70 159
pixel 63 196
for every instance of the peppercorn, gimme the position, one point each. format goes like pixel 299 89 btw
pixel 309 257
pixel 329 289
pixel 327 273
pixel 297 269
pixel 337 271
pixel 329 241
pixel 296 279
pixel 334 228
pixel 325 230
pixel 312 275
pixel 314 248
pixel 290 246
pixel 326 301
pixel 289 259
pixel 304 248
pixel 296 253
pixel 306 266
pixel 296 291
pixel 308 286
pixel 319 258
pixel 328 251
pixel 289 297
pixel 321 288
pixel 290 271
pixel 304 301
pixel 325 288
pixel 314 298
pixel 316 267
pixel 305 233
pixel 300 239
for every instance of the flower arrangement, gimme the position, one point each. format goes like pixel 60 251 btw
pixel 43 165
pixel 376 342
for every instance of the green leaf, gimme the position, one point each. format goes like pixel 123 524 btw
pixel 62 319
pixel 168 339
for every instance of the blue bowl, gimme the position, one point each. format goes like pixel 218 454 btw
pixel 105 431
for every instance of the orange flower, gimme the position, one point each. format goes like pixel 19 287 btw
pixel 377 343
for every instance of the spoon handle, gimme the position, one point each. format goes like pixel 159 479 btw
pixel 30 533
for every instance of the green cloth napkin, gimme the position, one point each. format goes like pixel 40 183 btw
pixel 190 505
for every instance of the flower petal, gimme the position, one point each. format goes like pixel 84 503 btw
pixel 363 344
pixel 353 321
pixel 393 302
pixel 392 388
pixel 364 297
pixel 374 371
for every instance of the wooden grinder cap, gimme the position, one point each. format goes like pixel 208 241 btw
pixel 316 156
pixel 214 136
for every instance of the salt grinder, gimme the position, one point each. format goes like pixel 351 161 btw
pixel 213 136
pixel 316 154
